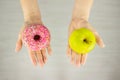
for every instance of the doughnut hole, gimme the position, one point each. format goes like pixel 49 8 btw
pixel 37 37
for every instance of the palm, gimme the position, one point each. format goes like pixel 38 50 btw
pixel 76 24
pixel 38 56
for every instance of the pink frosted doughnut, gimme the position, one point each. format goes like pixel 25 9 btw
pixel 36 36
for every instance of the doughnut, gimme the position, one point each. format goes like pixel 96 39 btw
pixel 36 37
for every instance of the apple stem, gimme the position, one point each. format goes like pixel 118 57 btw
pixel 86 41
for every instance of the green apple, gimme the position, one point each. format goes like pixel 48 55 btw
pixel 82 41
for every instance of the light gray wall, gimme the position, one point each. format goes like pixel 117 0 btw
pixel 102 64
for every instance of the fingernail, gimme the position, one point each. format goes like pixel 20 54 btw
pixel 68 56
pixel 103 45
pixel 78 65
pixel 50 53
pixel 82 64
pixel 41 63
pixel 34 64
pixel 16 50
pixel 33 61
pixel 72 62
pixel 45 60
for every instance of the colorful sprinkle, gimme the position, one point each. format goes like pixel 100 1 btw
pixel 36 37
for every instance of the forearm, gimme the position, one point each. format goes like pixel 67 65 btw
pixel 82 9
pixel 31 10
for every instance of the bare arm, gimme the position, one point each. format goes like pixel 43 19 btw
pixel 32 16
pixel 79 20
pixel 82 9
pixel 31 11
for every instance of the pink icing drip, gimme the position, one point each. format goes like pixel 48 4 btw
pixel 31 31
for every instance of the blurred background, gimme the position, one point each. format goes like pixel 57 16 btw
pixel 102 64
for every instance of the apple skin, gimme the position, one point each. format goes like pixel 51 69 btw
pixel 82 41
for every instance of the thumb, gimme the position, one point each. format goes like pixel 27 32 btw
pixel 18 44
pixel 99 40
pixel 19 41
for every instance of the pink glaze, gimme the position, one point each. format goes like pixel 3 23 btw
pixel 36 37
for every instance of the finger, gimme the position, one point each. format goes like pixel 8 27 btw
pixel 22 28
pixel 33 57
pixel 78 59
pixel 39 58
pixel 83 59
pixel 99 40
pixel 18 44
pixel 73 54
pixel 44 55
pixel 68 51
pixel 19 41
pixel 70 30
pixel 49 50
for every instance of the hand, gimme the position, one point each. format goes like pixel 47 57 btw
pixel 36 56
pixel 77 24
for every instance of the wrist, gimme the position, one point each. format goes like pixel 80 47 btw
pixel 82 9
pixel 80 12
pixel 32 19
pixel 80 18
pixel 80 21
pixel 31 11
